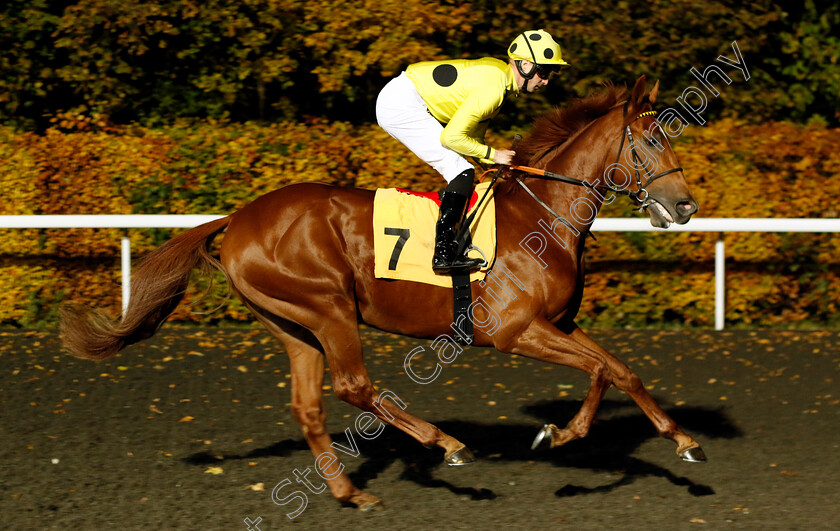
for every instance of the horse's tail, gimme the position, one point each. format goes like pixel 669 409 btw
pixel 157 287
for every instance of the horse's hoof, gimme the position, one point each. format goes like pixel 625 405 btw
pixel 547 432
pixel 693 455
pixel 365 502
pixel 372 506
pixel 461 456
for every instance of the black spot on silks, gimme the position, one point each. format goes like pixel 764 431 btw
pixel 549 53
pixel 445 75
pixel 535 36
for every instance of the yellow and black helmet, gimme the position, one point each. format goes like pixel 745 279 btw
pixel 537 46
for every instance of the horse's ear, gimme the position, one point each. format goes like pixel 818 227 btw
pixel 654 92
pixel 638 92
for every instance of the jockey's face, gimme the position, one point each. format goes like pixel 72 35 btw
pixel 540 79
pixel 535 83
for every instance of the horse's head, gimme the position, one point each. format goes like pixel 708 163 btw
pixel 651 173
pixel 581 141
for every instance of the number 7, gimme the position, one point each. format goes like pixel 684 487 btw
pixel 404 235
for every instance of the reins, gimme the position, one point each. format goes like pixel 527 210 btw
pixel 635 195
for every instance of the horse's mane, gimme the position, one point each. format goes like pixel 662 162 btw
pixel 554 128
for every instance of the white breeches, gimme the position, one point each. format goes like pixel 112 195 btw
pixel 403 114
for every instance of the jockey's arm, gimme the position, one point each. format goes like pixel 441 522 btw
pixel 467 125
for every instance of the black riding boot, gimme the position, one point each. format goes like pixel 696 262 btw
pixel 453 207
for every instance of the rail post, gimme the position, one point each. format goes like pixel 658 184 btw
pixel 720 284
pixel 125 266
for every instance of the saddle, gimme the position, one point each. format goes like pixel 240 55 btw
pixel 404 234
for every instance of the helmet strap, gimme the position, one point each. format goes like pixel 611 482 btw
pixel 527 76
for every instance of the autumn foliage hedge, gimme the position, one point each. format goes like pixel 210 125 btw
pixel 81 166
pixel 153 60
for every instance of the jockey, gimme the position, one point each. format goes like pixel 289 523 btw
pixel 440 111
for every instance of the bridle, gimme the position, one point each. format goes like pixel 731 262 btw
pixel 640 196
pixel 636 195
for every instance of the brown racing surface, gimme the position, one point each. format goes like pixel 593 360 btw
pixel 192 430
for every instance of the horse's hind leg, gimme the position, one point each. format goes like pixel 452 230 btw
pixel 337 332
pixel 351 383
pixel 338 335
pixel 307 368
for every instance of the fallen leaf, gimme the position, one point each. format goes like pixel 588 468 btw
pixel 187 419
pixel 215 470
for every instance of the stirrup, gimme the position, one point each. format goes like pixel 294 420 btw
pixel 472 247
pixel 463 263
pixel 460 263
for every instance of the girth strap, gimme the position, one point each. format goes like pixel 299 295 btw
pixel 462 295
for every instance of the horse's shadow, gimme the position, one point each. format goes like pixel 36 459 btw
pixel 608 447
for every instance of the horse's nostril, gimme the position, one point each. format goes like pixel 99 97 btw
pixel 687 208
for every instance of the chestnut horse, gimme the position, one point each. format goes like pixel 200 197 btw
pixel 301 258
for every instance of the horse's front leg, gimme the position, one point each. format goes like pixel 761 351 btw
pixel 541 340
pixel 627 381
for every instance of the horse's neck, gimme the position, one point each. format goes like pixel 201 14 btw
pixel 583 156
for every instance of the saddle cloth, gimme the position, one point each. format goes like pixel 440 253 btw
pixel 404 235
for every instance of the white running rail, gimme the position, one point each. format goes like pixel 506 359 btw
pixel 719 225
